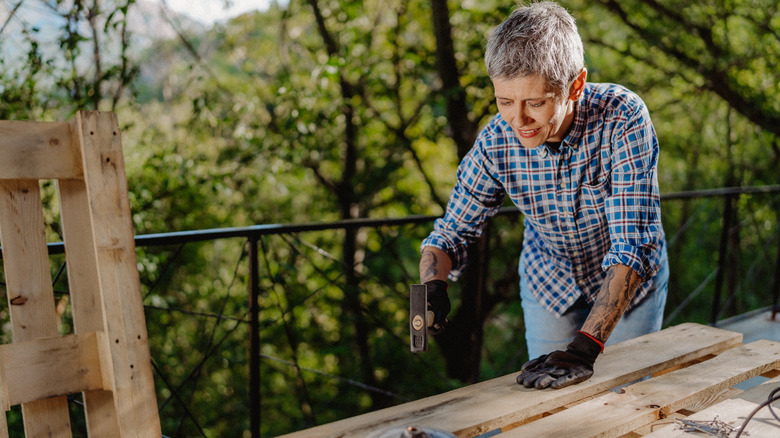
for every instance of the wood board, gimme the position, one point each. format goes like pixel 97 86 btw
pixel 501 403
pixel 734 412
pixel 613 414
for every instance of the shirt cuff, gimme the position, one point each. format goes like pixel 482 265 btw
pixel 459 258
pixel 631 256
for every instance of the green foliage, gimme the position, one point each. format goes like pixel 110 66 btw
pixel 276 117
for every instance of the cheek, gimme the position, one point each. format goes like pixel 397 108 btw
pixel 556 117
pixel 506 113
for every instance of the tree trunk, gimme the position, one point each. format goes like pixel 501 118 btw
pixel 461 343
pixel 463 130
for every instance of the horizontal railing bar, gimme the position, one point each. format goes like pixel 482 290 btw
pixel 725 191
pixel 178 237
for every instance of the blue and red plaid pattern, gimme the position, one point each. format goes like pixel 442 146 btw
pixel 589 205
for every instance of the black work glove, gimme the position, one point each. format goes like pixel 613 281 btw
pixel 562 368
pixel 439 304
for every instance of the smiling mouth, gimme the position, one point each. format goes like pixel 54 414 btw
pixel 528 133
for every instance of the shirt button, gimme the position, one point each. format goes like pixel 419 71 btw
pixel 570 299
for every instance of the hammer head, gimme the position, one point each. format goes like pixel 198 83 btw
pixel 418 324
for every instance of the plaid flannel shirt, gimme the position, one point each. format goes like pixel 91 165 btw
pixel 589 205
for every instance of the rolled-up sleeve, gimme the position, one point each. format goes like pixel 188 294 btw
pixel 476 197
pixel 633 208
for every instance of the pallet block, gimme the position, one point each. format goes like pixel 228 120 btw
pixel 501 405
pixel 107 359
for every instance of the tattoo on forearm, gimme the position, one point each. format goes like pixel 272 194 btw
pixel 428 269
pixel 615 296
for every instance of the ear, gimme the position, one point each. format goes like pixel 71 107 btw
pixel 578 85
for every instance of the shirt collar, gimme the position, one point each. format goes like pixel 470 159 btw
pixel 574 137
pixel 543 150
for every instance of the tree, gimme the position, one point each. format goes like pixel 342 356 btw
pixel 709 74
pixel 338 109
pixel 731 49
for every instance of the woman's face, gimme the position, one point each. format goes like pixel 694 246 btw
pixel 535 113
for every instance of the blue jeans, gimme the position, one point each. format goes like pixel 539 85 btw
pixel 544 332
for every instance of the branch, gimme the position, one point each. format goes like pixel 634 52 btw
pixel 330 44
pixel 191 49
pixel 717 78
pixel 10 16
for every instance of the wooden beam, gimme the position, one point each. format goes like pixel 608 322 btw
pixel 113 245
pixel 29 290
pixel 501 402
pixel 613 414
pixel 44 368
pixel 100 409
pixel 37 150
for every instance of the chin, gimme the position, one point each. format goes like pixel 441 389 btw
pixel 528 145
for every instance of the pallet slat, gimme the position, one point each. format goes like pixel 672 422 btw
pixel 29 290
pixel 37 150
pixel 61 365
pixel 501 402
pixel 112 254
pixel 613 414
pixel 734 412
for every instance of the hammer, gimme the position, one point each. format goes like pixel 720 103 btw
pixel 420 318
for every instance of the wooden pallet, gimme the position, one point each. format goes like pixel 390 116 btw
pixel 107 358
pixel 692 367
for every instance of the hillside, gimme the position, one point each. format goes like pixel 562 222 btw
pixel 147 21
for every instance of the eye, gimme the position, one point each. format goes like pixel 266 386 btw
pixel 536 104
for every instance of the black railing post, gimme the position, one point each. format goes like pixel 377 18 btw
pixel 254 339
pixel 775 304
pixel 722 257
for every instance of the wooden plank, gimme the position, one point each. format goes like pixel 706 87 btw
pixel 117 272
pixel 732 412
pixel 37 150
pixel 29 290
pixel 613 415
pixel 44 368
pixel 759 394
pixel 87 304
pixel 44 418
pixel 501 402
pixel 26 261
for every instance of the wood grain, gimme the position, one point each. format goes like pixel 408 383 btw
pixel 112 246
pixel 613 415
pixel 501 403
pixel 37 150
pixel 29 290
pixel 50 367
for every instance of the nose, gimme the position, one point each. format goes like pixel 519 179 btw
pixel 523 118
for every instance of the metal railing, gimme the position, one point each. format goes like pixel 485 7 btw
pixel 251 237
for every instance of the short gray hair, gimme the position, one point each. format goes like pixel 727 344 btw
pixel 537 39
